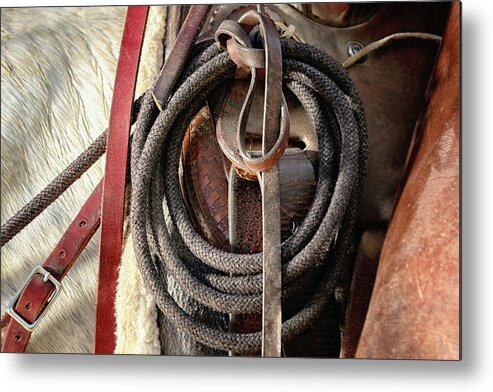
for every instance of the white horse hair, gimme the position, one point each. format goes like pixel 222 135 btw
pixel 58 69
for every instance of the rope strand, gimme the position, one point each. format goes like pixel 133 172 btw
pixel 54 189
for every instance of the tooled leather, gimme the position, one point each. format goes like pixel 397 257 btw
pixel 204 180
pixel 205 184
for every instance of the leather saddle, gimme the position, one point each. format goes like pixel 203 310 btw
pixel 391 81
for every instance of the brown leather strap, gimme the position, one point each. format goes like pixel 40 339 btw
pixel 115 177
pixel 37 293
pixel 178 54
pixel 233 37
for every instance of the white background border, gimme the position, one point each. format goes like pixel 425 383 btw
pixel 129 373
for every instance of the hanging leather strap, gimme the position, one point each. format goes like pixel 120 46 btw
pixel 115 177
pixel 33 300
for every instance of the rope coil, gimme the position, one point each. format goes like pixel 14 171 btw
pixel 165 240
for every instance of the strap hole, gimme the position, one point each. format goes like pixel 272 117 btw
pixel 17 338
pixel 28 306
pixel 82 223
pixel 62 254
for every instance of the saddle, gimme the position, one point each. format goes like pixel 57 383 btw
pixel 235 200
pixel 390 121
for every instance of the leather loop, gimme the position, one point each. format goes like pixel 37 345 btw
pixel 233 37
pixel 266 161
pixel 250 57
pixel 272 149
pixel 230 36
pixel 231 29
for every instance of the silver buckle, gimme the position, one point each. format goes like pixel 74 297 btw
pixel 11 306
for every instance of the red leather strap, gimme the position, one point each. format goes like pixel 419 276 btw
pixel 37 293
pixel 115 176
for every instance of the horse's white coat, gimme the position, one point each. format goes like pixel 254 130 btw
pixel 58 68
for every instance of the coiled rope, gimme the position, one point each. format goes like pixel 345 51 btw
pixel 85 160
pixel 165 241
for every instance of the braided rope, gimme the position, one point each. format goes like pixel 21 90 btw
pixel 165 240
pixel 54 189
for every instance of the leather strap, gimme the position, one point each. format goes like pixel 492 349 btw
pixel 115 177
pixel 179 53
pixel 37 292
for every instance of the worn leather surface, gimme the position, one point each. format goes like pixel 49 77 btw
pixel 414 311
pixel 365 270
pixel 342 14
pixel 115 177
pixel 37 293
pixel 392 84
pixel 391 81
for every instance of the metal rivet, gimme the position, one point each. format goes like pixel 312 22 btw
pixel 354 47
